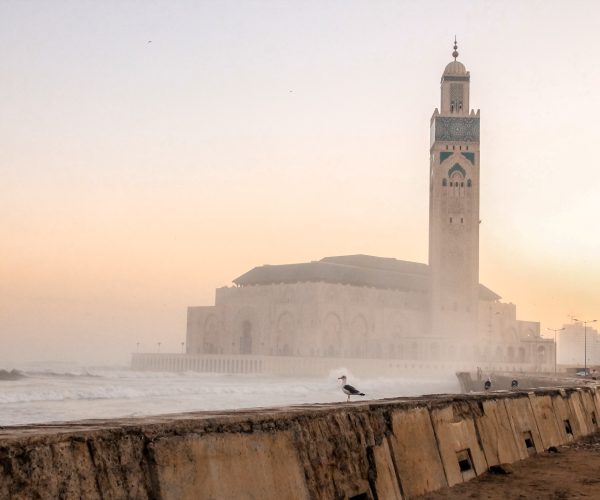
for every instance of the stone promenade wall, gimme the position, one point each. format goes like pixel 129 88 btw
pixel 380 450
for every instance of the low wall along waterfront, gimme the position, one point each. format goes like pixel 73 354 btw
pixel 312 366
pixel 379 450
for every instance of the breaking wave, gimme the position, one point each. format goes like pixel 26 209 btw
pixel 11 375
pixel 59 393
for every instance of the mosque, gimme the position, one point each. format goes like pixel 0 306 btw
pixel 394 313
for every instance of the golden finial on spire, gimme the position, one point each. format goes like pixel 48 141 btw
pixel 455 53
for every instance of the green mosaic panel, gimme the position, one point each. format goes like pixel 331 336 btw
pixel 444 155
pixel 470 157
pixel 449 128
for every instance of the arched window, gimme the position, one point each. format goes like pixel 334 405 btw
pixel 541 352
pixel 444 182
pixel 246 338
pixel 285 340
pixel 211 335
pixel 332 339
pixel 414 348
pixel 468 183
pixel 510 354
pixel 457 176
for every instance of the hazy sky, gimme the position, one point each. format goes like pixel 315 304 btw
pixel 153 151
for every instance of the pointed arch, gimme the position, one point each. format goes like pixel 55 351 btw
pixel 285 339
pixel 457 168
pixel 332 338
pixel 359 330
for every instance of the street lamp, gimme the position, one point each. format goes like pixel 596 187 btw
pixel 182 344
pixel 555 330
pixel 158 343
pixel 585 323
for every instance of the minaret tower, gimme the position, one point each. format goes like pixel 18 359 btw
pixel 454 208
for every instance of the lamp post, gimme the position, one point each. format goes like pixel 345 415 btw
pixel 555 330
pixel 585 323
pixel 158 343
pixel 182 344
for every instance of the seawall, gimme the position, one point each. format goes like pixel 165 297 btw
pixel 380 450
pixel 316 366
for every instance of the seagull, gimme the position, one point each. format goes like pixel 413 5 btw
pixel 488 384
pixel 348 389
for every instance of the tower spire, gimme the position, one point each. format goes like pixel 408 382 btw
pixel 455 53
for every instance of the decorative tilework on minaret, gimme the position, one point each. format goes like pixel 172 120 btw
pixel 454 208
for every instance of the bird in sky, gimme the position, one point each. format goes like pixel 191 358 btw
pixel 348 389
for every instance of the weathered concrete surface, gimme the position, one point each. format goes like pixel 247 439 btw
pixel 386 483
pixel 496 433
pixel 541 404
pixel 589 408
pixel 562 413
pixel 523 423
pixel 190 464
pixel 580 419
pixel 454 427
pixel 415 452
pixel 379 450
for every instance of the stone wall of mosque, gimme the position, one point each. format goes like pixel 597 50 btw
pixel 392 449
pixel 308 319
pixel 332 320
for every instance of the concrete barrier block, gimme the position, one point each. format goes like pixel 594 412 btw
pixel 257 465
pixel 548 426
pixel 524 426
pixel 580 423
pixel 596 396
pixel 591 414
pixel 564 417
pixel 459 447
pixel 336 450
pixel 386 483
pixel 415 451
pixel 497 435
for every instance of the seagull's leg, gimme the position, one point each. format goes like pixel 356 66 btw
pixel 348 400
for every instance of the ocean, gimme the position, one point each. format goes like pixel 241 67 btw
pixel 46 393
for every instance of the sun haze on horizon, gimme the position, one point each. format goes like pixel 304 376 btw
pixel 138 177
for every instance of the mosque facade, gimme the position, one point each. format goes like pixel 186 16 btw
pixel 367 307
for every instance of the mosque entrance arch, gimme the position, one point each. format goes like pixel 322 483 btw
pixel 332 340
pixel 358 337
pixel 510 354
pixel 284 344
pixel 246 338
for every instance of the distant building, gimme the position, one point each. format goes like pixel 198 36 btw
pixel 360 306
pixel 572 345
